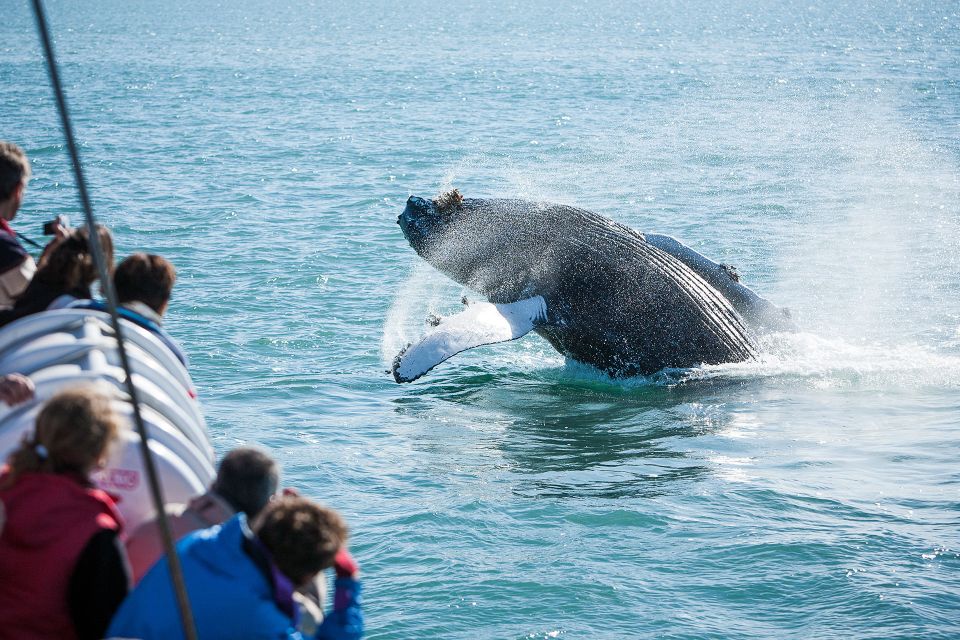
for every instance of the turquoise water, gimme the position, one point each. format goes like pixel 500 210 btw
pixel 267 148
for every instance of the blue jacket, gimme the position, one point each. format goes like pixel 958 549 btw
pixel 230 594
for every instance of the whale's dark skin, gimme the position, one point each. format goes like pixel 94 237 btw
pixel 613 300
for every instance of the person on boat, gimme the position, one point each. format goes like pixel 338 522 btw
pixel 65 274
pixel 64 570
pixel 241 578
pixel 15 388
pixel 144 283
pixel 16 265
pixel 247 479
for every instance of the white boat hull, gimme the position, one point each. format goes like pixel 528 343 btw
pixel 60 349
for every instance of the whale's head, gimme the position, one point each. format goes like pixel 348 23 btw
pixel 435 229
pixel 422 223
pixel 484 244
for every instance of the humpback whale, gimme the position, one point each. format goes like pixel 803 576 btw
pixel 600 292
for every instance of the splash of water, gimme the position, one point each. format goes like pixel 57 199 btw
pixel 866 248
pixel 879 249
pixel 424 293
pixel 832 362
pixel 822 362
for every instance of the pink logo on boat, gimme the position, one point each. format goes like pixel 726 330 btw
pixel 119 479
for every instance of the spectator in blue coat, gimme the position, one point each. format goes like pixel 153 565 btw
pixel 241 581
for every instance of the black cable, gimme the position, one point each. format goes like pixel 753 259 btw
pixel 106 284
pixel 36 245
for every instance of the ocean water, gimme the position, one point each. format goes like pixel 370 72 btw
pixel 266 148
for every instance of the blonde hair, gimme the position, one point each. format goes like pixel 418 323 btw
pixel 73 432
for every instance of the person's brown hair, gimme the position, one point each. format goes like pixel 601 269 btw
pixel 14 168
pixel 145 278
pixel 302 537
pixel 73 431
pixel 247 478
pixel 69 267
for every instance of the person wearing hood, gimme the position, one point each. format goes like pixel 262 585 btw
pixel 64 570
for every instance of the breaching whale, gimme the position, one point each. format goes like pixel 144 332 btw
pixel 598 291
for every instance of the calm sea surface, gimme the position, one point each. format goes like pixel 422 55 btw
pixel 267 148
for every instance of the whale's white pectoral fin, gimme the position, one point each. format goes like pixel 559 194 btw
pixel 481 323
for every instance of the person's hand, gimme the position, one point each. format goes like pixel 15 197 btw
pixel 290 492
pixel 344 565
pixel 15 388
pixel 48 250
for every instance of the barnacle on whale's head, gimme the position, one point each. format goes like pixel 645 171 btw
pixel 448 200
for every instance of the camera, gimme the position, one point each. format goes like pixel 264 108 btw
pixel 50 228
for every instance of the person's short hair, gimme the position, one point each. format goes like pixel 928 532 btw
pixel 145 278
pixel 302 536
pixel 247 478
pixel 14 168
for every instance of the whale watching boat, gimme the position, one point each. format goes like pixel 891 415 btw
pixel 63 348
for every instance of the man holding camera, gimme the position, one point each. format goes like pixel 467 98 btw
pixel 16 265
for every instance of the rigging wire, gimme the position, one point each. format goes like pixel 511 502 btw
pixel 106 285
pixel 32 243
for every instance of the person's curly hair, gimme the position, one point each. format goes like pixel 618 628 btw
pixel 303 537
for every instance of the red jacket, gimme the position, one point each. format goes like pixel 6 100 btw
pixel 49 520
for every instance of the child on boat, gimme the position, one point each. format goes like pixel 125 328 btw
pixel 241 578
pixel 63 567
pixel 247 480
